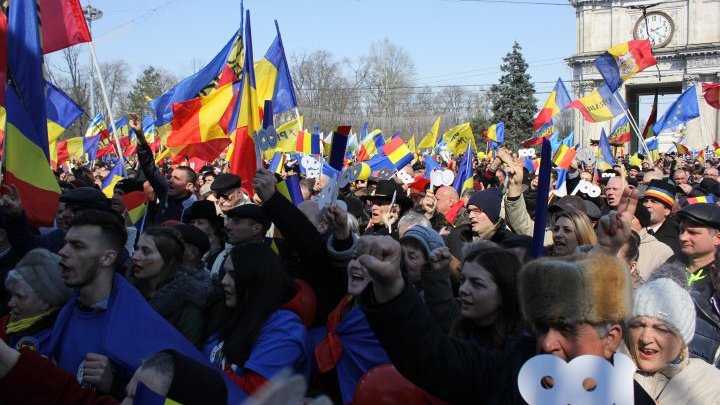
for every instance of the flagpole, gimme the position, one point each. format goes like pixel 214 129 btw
pixel 91 47
pixel 632 122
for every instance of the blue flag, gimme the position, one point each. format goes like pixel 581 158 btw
pixel 430 165
pixel 464 178
pixel 683 109
pixel 605 149
pixel 543 191
pixel 652 143
pixel 554 141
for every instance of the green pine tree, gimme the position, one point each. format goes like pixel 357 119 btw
pixel 513 98
pixel 150 83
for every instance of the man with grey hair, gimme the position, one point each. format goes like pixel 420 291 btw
pixel 411 219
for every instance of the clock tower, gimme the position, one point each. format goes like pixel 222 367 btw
pixel 685 36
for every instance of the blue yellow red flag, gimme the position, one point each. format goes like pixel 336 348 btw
pixel 398 152
pixel 273 78
pixel 555 104
pixel 61 110
pixel 496 132
pixel 115 175
pixel 621 132
pixel 623 61
pixel 464 179
pixel 600 105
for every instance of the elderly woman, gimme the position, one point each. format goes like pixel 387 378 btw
pixel 661 326
pixel 37 293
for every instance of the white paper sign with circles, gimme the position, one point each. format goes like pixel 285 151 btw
pixel 404 177
pixel 440 178
pixel 530 152
pixel 312 166
pixel 586 380
pixel 588 188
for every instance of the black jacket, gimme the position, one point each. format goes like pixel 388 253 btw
pixel 668 234
pixel 312 263
pixel 167 208
pixel 457 371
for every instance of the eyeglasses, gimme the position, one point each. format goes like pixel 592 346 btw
pixel 475 211
pixel 225 194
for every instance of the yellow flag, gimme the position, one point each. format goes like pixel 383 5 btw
pixel 458 137
pixel 287 137
pixel 411 143
pixel 429 141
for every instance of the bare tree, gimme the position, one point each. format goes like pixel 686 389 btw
pixel 391 72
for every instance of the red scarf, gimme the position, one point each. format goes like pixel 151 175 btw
pixel 328 351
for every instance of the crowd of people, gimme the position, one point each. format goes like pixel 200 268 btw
pixel 403 292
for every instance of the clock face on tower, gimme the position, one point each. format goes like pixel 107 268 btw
pixel 659 26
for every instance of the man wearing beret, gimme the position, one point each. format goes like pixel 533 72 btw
pixel 227 188
pixel 700 239
pixel 176 193
pixel 659 199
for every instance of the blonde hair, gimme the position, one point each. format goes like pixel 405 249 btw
pixel 583 227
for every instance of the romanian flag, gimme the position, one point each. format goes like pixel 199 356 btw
pixel 600 105
pixel 703 199
pixel 711 93
pixel 224 68
pixel 604 149
pixel 135 204
pixel 544 132
pixel 96 127
pixel 244 159
pixel 648 131
pixel 398 152
pixel 371 145
pixel 308 143
pixel 496 132
pixel 290 188
pixel 340 138
pixel 682 149
pixel 273 78
pixel 69 148
pixel 26 157
pixel 564 157
pixel 429 140
pixel 458 138
pixel 115 175
pixel 61 111
pixel 464 178
pixel 621 132
pixel 196 129
pixel 555 104
pixel 623 61
pixel 276 164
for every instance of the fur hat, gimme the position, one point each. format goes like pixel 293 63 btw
pixel 591 288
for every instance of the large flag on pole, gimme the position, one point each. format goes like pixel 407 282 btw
pixel 61 111
pixel 555 104
pixel 464 178
pixel 604 149
pixel 458 138
pixel 648 130
pixel 681 110
pixel 63 24
pixel 623 61
pixel 711 92
pixel 273 78
pixel 26 146
pixel 243 159
pixel 600 105
pixel 621 132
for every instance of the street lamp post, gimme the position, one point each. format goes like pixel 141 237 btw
pixel 92 14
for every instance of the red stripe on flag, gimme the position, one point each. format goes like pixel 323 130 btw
pixel 63 24
pixel 37 214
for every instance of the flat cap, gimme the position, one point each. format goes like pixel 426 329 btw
pixel 225 181
pixel 194 236
pixel 251 211
pixel 84 198
pixel 705 214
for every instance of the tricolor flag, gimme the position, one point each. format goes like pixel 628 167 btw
pixel 398 152
pixel 135 204
pixel 544 132
pixel 197 130
pixel 276 164
pixel 26 159
pixel 621 132
pixel 555 104
pixel 244 159
pixel 63 24
pixel 703 199
pixel 96 127
pixel 115 175
pixel 466 171
pixel 604 149
pixel 371 146
pixel 682 149
pixel 273 78
pixel 61 111
pixel 307 143
pixel 623 61
pixel 224 68
pixel 290 189
pixel 496 132
pixel 564 157
pixel 648 130
pixel 600 105
pixel 681 110
pixel 430 140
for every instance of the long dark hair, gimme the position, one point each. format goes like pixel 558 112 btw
pixel 261 288
pixel 504 267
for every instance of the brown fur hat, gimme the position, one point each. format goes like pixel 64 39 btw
pixel 593 288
